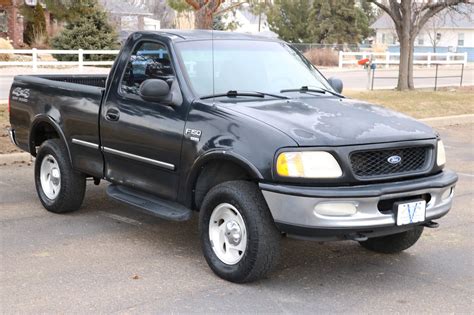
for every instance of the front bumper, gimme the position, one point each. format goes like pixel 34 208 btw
pixel 293 207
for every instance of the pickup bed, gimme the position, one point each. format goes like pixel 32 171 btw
pixel 244 131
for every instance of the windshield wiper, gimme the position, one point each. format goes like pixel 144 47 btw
pixel 233 93
pixel 305 89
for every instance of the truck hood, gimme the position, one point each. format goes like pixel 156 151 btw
pixel 330 121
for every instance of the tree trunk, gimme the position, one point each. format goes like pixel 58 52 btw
pixel 411 59
pixel 203 19
pixel 404 37
pixel 403 68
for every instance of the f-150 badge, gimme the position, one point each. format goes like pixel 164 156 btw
pixel 193 134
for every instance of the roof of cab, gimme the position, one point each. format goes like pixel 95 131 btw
pixel 183 35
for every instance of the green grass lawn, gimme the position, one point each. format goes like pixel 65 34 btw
pixel 421 103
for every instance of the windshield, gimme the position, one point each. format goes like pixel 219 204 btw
pixel 246 65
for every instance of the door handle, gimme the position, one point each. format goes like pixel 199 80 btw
pixel 112 114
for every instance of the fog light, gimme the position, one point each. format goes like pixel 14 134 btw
pixel 336 208
pixel 447 193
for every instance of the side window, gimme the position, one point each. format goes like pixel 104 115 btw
pixel 149 60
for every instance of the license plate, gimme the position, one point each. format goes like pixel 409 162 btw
pixel 410 212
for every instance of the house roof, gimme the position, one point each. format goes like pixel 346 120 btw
pixel 122 7
pixel 463 17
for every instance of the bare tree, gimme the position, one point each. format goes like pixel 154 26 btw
pixel 206 10
pixel 409 17
pixel 432 29
pixel 160 9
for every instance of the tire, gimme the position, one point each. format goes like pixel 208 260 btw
pixel 394 243
pixel 70 185
pixel 261 238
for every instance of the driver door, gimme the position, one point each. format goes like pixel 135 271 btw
pixel 141 140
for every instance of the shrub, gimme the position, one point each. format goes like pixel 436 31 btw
pixel 5 44
pixel 35 23
pixel 91 30
pixel 40 41
pixel 379 48
pixel 326 57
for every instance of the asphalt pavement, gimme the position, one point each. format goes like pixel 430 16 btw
pixel 109 258
pixel 356 79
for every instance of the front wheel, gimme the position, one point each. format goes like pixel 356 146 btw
pixel 60 188
pixel 239 239
pixel 395 243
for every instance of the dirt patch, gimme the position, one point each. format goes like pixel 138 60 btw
pixel 5 144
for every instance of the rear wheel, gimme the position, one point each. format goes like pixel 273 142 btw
pixel 395 243
pixel 239 239
pixel 59 187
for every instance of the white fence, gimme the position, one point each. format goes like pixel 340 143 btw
pixel 345 58
pixel 35 61
pixel 389 58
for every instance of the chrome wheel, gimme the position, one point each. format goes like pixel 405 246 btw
pixel 228 234
pixel 50 177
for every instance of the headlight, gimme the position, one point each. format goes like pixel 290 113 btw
pixel 440 154
pixel 308 164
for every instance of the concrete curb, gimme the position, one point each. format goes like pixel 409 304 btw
pixel 449 120
pixel 16 158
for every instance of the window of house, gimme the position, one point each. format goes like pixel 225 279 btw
pixel 461 39
pixel 393 39
pixel 421 40
pixel 383 38
pixel 438 36
pixel 149 60
pixel 3 21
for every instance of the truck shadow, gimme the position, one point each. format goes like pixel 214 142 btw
pixel 311 264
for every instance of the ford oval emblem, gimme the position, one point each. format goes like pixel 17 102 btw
pixel 394 159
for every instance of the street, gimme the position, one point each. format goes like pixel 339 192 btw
pixel 353 79
pixel 356 79
pixel 108 257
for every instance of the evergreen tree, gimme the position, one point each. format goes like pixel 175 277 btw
pixel 289 19
pixel 363 24
pixel 35 23
pixel 90 30
pixel 371 12
pixel 335 21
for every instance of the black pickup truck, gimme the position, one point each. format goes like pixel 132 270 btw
pixel 243 130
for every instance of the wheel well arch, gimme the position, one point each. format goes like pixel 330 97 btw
pixel 42 129
pixel 216 170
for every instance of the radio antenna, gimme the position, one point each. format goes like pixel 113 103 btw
pixel 212 59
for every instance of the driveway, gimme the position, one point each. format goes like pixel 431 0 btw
pixel 109 258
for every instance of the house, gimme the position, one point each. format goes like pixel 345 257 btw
pixel 12 22
pixel 127 17
pixel 247 22
pixel 449 31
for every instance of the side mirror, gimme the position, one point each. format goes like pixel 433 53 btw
pixel 336 84
pixel 154 90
